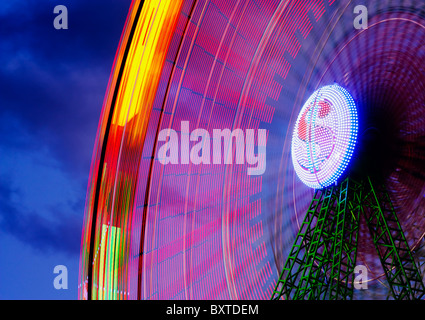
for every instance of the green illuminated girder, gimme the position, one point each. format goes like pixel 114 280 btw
pixel 317 257
pixel 393 249
pixel 343 261
pixel 322 260
pixel 294 267
pixel 328 265
pixel 307 269
pixel 335 273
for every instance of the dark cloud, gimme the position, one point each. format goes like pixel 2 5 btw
pixel 55 80
pixel 44 235
pixel 52 85
pixel 41 203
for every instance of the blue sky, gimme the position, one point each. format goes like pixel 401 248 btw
pixel 52 85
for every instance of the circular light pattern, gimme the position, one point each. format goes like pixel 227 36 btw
pixel 325 136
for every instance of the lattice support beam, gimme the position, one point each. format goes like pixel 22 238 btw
pixel 314 277
pixel 392 247
pixel 296 261
pixel 345 241
pixel 322 260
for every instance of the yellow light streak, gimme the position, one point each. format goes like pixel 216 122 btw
pixel 145 59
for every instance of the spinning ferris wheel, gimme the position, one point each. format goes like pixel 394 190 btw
pixel 344 184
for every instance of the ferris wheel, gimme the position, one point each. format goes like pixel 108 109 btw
pixel 326 97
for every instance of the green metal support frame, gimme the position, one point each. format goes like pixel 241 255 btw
pixel 393 249
pixel 321 263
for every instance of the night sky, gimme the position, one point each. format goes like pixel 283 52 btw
pixel 52 85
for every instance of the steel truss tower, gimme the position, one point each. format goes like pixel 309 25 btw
pixel 321 263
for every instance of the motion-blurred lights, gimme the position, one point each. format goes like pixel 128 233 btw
pixel 325 136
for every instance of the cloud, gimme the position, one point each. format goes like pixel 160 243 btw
pixel 52 85
pixel 40 202
pixel 55 80
pixel 60 235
